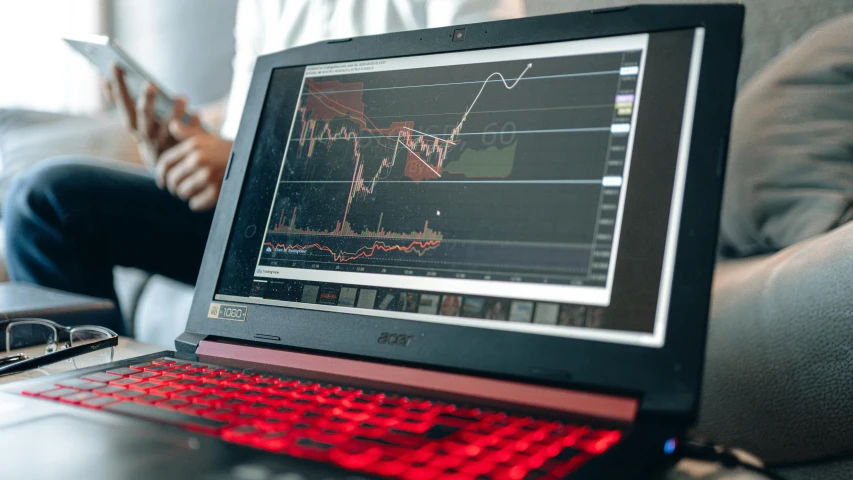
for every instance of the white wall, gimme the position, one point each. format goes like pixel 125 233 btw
pixel 187 45
pixel 37 70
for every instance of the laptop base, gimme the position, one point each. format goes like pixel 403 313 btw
pixel 180 443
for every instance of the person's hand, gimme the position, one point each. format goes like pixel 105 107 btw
pixel 193 169
pixel 152 135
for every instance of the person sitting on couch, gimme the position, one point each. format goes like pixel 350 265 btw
pixel 69 221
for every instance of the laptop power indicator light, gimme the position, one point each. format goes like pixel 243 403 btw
pixel 669 446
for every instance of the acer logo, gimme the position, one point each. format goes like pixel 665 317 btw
pixel 400 340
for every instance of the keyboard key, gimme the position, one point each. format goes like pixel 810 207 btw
pixel 166 389
pixel 187 394
pixel 125 381
pixel 57 393
pixel 515 472
pixel 145 375
pixel 244 417
pixel 240 381
pixel 80 384
pixel 98 402
pixel 78 397
pixel 195 409
pixel 145 386
pixel 108 390
pixel 256 407
pixel 250 395
pixel 174 403
pixel 477 468
pixel 122 372
pixel 158 368
pixel 309 448
pixel 241 434
pixel 222 414
pixel 165 378
pixel 38 390
pixel 151 398
pixel 224 390
pixel 599 441
pixel 141 366
pixel 218 378
pixel 234 403
pixel 270 424
pixel 166 416
pixel 264 385
pixel 388 468
pixel 211 399
pixel 438 432
pixel 162 361
pixel 128 394
pixel 272 441
pixel 100 377
pixel 443 462
pixel 186 382
pixel 421 473
pixel 206 387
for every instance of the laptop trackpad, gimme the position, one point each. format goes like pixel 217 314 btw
pixel 66 446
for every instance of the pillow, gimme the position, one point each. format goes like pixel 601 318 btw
pixel 790 173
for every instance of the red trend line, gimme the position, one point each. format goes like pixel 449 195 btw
pixel 419 247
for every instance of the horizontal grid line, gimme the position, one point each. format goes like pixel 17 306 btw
pixel 541 77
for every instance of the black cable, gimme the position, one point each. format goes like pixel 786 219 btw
pixel 722 455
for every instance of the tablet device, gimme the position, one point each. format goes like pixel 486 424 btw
pixel 104 52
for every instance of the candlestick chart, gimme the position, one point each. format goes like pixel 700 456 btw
pixel 484 169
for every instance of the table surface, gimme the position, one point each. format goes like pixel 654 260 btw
pixel 129 348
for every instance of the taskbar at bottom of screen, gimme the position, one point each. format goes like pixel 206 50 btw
pixel 429 303
pixel 514 315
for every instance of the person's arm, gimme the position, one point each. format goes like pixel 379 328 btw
pixel 150 133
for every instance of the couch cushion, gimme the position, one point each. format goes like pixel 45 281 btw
pixel 162 312
pixel 790 173
pixel 777 377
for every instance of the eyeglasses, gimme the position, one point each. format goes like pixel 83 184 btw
pixel 84 346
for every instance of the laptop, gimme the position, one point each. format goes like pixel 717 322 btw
pixel 481 251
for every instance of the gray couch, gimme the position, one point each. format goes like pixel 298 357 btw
pixel 772 384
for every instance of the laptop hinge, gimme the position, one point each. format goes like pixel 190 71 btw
pixel 400 378
pixel 188 342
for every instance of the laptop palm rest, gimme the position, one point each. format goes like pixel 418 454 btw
pixel 54 442
pixel 68 446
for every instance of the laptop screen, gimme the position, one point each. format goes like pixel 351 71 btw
pixel 519 188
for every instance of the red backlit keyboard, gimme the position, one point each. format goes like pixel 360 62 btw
pixel 359 429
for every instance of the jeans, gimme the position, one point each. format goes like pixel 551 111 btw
pixel 69 221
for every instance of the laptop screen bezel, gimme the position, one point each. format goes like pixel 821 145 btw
pixel 667 378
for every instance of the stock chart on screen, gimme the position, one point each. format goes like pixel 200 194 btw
pixel 510 170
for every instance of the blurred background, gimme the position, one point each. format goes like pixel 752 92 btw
pixel 187 44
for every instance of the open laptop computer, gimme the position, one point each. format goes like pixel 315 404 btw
pixel 481 251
